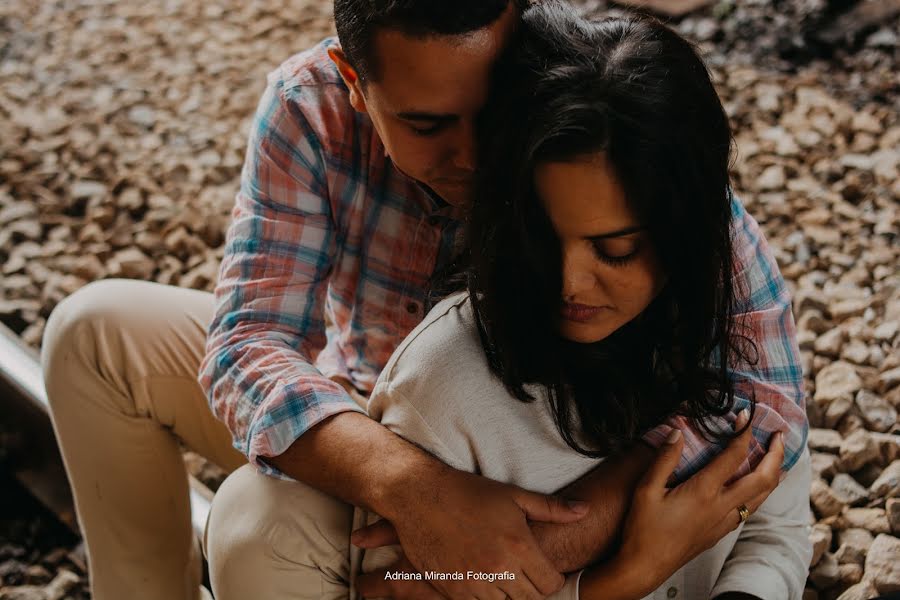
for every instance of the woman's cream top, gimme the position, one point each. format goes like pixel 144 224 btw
pixel 438 392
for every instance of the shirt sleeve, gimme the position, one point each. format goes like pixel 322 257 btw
pixel 771 556
pixel 774 379
pixel 268 325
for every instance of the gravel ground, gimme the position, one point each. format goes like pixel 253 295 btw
pixel 122 131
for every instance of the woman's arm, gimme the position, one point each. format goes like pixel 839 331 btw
pixel 771 556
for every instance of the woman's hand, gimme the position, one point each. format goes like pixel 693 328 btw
pixel 666 528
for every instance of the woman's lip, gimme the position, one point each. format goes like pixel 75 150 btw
pixel 580 312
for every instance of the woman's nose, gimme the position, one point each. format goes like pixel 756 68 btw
pixel 577 276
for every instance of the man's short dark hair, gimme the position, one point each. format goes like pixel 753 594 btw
pixel 357 21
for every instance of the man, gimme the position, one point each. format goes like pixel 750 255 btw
pixel 357 175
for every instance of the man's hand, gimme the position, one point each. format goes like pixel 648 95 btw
pixel 462 522
pixel 446 520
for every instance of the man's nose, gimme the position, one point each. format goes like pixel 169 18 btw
pixel 465 158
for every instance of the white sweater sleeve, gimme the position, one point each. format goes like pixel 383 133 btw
pixel 770 558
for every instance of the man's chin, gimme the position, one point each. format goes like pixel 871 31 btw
pixel 456 195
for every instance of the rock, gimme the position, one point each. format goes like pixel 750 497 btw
pixel 88 189
pixel 824 440
pixel 829 343
pixel 887 331
pixel 835 413
pixel 850 422
pixel 850 573
pixel 888 446
pixel 888 484
pixel 824 465
pixel 857 538
pixel 824 500
pixel 889 379
pixel 826 573
pixel 837 380
pixel 892 508
pixel 877 414
pixel 131 263
pixel 868 474
pixel 863 590
pixel 841 311
pixel 857 450
pixel 855 352
pixel 142 115
pixel 848 491
pixel 37 575
pixel 25 592
pixel 883 564
pixel 820 539
pixel 850 555
pixel 772 178
pixel 870 519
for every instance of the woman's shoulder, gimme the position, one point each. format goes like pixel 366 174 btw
pixel 447 338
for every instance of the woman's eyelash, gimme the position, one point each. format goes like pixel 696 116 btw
pixel 615 261
pixel 426 131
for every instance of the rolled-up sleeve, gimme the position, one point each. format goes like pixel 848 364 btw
pixel 268 326
pixel 774 380
pixel 771 556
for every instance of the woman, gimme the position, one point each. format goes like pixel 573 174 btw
pixel 600 303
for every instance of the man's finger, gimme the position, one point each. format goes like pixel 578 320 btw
pixel 537 579
pixel 550 509
pixel 374 585
pixel 380 533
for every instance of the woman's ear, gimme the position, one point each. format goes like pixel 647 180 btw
pixel 350 77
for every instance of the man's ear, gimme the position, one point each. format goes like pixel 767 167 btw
pixel 350 77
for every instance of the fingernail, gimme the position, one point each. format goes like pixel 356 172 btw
pixel 742 419
pixel 780 436
pixel 674 436
pixel 578 506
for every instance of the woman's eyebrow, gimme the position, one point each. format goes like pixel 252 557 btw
pixel 617 233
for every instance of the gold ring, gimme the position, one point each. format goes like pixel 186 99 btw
pixel 743 512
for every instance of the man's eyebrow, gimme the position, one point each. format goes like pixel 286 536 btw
pixel 426 116
pixel 617 233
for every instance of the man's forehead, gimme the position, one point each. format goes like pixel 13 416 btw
pixel 437 66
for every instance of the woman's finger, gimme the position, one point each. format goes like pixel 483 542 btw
pixel 764 478
pixel 669 454
pixel 723 466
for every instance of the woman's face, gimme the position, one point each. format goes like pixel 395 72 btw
pixel 610 269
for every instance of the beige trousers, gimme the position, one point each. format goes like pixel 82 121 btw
pixel 120 361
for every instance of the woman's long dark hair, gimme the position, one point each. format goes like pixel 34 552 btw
pixel 631 88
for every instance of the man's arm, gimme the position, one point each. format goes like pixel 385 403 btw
pixel 269 320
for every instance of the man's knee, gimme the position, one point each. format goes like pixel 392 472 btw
pixel 264 531
pixel 76 314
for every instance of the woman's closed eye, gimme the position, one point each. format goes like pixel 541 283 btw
pixel 615 252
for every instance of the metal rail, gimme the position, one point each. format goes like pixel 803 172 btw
pixel 31 444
